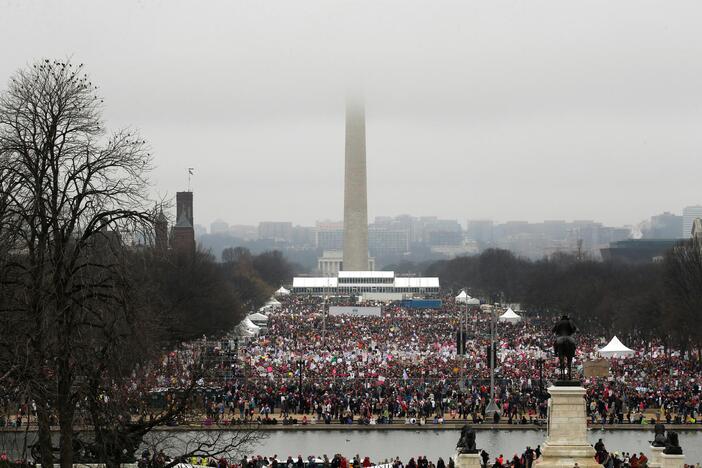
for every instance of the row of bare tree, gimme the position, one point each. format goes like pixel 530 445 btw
pixel 82 309
pixel 640 302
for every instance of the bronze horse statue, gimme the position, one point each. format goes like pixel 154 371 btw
pixel 564 346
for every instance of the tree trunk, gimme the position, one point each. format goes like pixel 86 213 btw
pixel 66 439
pixel 111 462
pixel 66 411
pixel 44 436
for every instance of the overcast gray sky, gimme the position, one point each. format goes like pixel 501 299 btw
pixel 525 110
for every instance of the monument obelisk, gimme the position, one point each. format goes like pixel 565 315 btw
pixel 355 197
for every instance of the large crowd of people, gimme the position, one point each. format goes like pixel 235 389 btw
pixel 306 367
pixel 526 459
pixel 404 366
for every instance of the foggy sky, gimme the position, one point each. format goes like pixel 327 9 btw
pixel 509 110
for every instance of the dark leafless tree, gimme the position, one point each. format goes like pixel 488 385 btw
pixel 683 293
pixel 72 191
pixel 82 313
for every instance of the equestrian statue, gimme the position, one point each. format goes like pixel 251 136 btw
pixel 564 346
pixel 466 444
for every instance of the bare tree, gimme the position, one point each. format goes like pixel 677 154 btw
pixel 73 191
pixel 683 293
pixel 231 445
pixel 82 314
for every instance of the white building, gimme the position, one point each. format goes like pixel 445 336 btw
pixel 332 261
pixel 690 213
pixel 371 285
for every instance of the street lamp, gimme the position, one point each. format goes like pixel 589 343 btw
pixel 300 364
pixel 461 348
pixel 463 323
pixel 324 321
pixel 540 364
pixel 492 408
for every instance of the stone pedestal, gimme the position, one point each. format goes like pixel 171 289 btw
pixel 566 440
pixel 467 460
pixel 655 460
pixel 672 461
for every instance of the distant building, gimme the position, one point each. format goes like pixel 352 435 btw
pixel 371 285
pixel 555 230
pixel 637 250
pixel 244 231
pixel 329 235
pixel 183 231
pixel 444 238
pixel 514 228
pixel 586 231
pixel 303 236
pixel 481 231
pixel 275 230
pixel 665 226
pixel 332 261
pixel 690 213
pixel 452 251
pixel 442 232
pixel 219 227
pixel 386 241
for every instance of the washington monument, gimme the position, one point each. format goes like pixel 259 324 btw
pixel 355 197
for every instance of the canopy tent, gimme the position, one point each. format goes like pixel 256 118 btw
pixel 616 348
pixel 249 325
pixel 248 329
pixel 462 297
pixel 244 333
pixel 257 317
pixel 510 317
pixel 272 303
pixel 282 292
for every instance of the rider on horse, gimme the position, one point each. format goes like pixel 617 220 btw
pixel 564 346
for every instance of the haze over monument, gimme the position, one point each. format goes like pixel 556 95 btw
pixel 487 98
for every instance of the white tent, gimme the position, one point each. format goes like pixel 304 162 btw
pixel 244 333
pixel 248 329
pixel 257 317
pixel 273 303
pixel 510 317
pixel 249 325
pixel 616 348
pixel 462 297
pixel 282 292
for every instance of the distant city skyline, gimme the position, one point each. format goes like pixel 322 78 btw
pixel 461 220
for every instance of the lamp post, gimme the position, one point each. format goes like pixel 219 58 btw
pixel 492 408
pixel 540 364
pixel 300 363
pixel 324 320
pixel 470 302
pixel 461 343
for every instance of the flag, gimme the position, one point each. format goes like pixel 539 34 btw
pixel 191 170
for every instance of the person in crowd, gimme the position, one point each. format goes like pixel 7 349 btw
pixel 485 457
